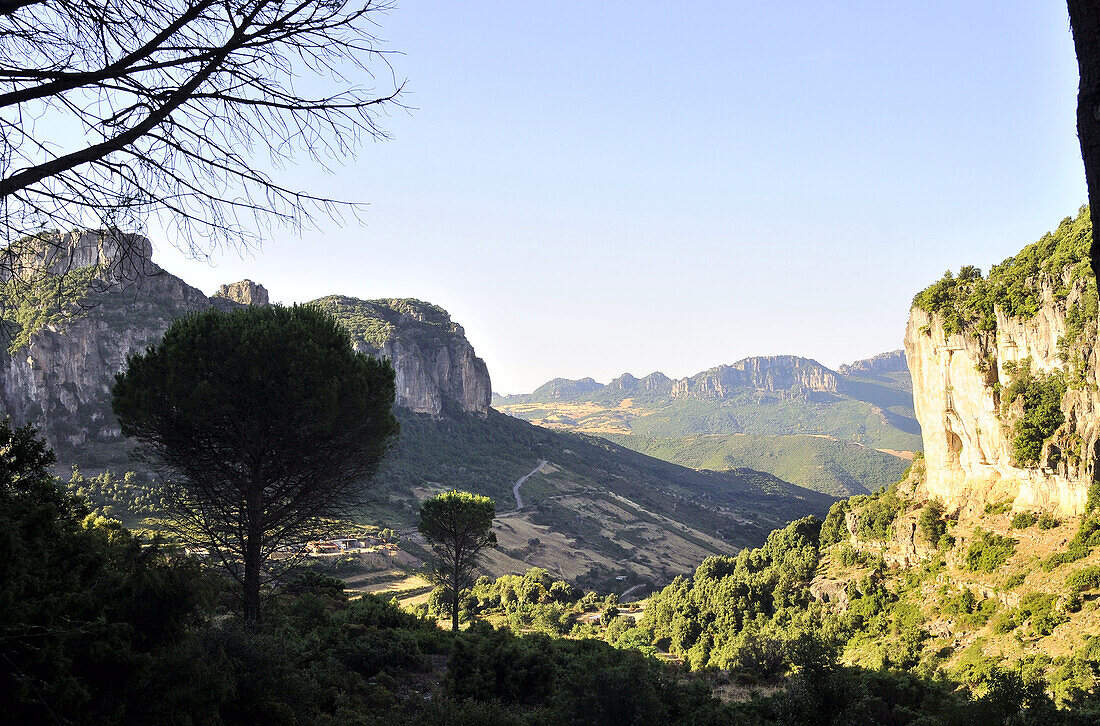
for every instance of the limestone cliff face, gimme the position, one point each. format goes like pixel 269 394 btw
pixel 59 376
pixel 244 292
pixel 957 384
pixel 436 366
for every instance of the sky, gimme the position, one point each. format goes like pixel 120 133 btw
pixel 599 188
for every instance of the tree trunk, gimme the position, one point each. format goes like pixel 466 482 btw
pixel 253 532
pixel 1084 18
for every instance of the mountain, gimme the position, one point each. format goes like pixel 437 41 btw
pixel 839 432
pixel 594 511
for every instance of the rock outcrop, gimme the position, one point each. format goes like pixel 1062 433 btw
pixel 436 366
pixel 959 377
pixel 59 375
pixel 891 362
pixel 244 292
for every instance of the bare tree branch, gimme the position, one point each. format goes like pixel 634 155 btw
pixel 113 112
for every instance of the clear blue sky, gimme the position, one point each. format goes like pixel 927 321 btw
pixel 593 188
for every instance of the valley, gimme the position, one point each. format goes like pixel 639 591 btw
pixel 598 511
pixel 836 432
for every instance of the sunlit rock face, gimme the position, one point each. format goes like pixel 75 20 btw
pixel 59 375
pixel 244 292
pixel 436 367
pixel 957 385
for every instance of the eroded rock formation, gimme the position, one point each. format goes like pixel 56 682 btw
pixel 59 375
pixel 958 382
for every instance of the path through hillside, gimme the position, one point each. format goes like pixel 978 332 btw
pixel 518 484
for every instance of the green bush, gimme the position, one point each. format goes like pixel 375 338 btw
pixel 1087 537
pixel 1084 579
pixel 1041 395
pixel 1023 520
pixel 988 551
pixel 1047 521
pixel 931 524
pixel 878 514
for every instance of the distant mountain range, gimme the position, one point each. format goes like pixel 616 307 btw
pixel 841 432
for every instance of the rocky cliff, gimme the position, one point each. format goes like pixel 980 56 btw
pixel 436 366
pixel 891 362
pixel 66 337
pixel 1004 378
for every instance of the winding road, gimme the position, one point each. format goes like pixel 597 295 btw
pixel 518 484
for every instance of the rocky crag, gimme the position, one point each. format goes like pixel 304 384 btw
pixel 1004 373
pixel 778 373
pixel 436 366
pixel 78 304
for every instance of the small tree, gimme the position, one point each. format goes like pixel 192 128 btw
pixel 458 526
pixel 266 421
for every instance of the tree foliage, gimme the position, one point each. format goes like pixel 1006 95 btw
pixel 86 609
pixel 265 421
pixel 968 301
pixel 1041 395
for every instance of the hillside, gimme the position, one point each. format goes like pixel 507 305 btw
pixel 596 511
pixel 758 413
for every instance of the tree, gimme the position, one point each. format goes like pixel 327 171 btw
pixel 110 112
pixel 1084 19
pixel 265 421
pixel 89 614
pixel 457 526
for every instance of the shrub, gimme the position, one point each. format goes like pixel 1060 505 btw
pixel 850 557
pixel 1023 520
pixel 1087 537
pixel 877 516
pixel 988 551
pixel 1046 521
pixel 1041 395
pixel 1038 607
pixel 835 527
pixel 1085 579
pixel 931 524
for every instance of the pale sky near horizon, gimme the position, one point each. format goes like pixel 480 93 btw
pixel 593 188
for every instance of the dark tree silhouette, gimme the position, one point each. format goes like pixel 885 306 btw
pixel 113 111
pixel 1084 18
pixel 458 526
pixel 266 421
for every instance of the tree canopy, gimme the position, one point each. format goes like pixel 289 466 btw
pixel 266 421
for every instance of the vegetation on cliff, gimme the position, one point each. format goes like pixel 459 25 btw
pixel 1039 396
pixel 27 307
pixel 967 301
pixel 376 322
